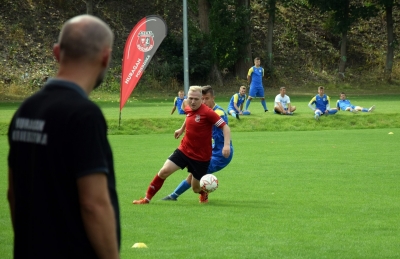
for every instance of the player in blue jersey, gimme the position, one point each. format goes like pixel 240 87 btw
pixel 235 107
pixel 321 104
pixel 254 77
pixel 345 105
pixel 178 102
pixel 218 161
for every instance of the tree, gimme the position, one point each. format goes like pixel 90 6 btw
pixel 204 23
pixel 245 59
pixel 343 14
pixel 388 6
pixel 228 22
pixel 89 6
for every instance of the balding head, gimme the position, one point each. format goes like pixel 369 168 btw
pixel 84 37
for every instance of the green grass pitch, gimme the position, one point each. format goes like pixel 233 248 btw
pixel 324 194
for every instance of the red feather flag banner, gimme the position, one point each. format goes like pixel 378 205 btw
pixel 140 47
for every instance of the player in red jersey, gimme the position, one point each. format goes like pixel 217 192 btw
pixel 195 149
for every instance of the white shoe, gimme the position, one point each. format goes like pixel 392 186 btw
pixel 354 111
pixel 316 116
pixel 372 108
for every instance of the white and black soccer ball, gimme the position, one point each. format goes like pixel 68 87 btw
pixel 209 183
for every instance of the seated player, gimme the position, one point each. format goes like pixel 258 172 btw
pixel 345 105
pixel 322 104
pixel 235 107
pixel 282 103
pixel 178 102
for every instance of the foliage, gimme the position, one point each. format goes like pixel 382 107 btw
pixel 227 23
pixel 343 13
pixel 305 48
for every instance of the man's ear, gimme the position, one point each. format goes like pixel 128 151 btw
pixel 56 52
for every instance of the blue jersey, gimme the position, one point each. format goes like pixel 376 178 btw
pixel 344 104
pixel 218 161
pixel 238 99
pixel 256 74
pixel 178 103
pixel 321 103
pixel 217 133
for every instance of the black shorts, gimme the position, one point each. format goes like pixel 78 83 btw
pixel 197 168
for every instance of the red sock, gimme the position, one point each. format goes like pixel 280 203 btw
pixel 154 186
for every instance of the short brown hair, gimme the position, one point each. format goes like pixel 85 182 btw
pixel 207 89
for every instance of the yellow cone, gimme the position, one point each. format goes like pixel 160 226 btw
pixel 139 245
pixel 391 133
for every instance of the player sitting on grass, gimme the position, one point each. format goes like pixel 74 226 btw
pixel 322 104
pixel 345 105
pixel 282 103
pixel 218 161
pixel 235 107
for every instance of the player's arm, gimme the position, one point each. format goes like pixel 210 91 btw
pixel 174 108
pixel 310 104
pixel 235 101
pixel 179 131
pixel 11 196
pixel 337 105
pixel 226 150
pixel 98 214
pixel 249 75
pixel 328 106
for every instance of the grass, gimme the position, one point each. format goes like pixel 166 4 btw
pixel 152 115
pixel 321 194
pixel 296 188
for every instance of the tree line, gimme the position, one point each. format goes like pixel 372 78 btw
pixel 224 35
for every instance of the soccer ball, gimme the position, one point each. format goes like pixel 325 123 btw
pixel 209 183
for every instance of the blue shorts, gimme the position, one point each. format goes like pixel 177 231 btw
pixel 218 161
pixel 231 108
pixel 256 91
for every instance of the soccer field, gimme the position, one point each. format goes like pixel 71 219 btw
pixel 321 194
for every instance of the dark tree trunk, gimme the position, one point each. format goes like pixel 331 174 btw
pixel 89 6
pixel 204 9
pixel 271 22
pixel 390 43
pixel 245 62
pixel 343 54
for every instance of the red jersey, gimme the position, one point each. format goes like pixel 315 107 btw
pixel 196 144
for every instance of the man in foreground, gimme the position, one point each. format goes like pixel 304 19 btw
pixel 218 161
pixel 61 190
pixel 195 149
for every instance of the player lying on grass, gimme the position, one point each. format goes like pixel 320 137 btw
pixel 345 105
pixel 195 149
pixel 218 161
pixel 322 104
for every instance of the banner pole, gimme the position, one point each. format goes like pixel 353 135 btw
pixel 119 124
